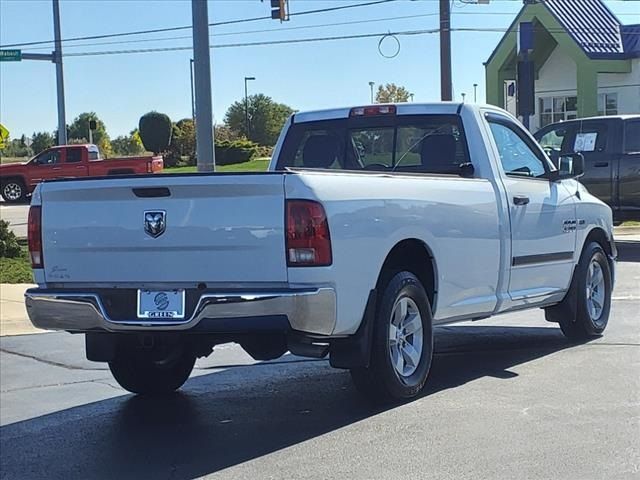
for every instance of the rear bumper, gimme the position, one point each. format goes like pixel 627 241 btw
pixel 311 311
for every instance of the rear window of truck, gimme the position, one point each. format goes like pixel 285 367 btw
pixel 433 144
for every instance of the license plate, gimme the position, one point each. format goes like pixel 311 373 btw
pixel 161 304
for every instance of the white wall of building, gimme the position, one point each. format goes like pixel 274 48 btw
pixel 626 85
pixel 557 78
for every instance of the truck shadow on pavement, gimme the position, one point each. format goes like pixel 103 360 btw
pixel 231 416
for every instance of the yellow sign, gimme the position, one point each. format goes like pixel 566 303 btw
pixel 4 136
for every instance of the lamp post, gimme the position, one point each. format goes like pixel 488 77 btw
pixel 411 97
pixel 463 95
pixel 246 105
pixel 475 93
pixel 371 84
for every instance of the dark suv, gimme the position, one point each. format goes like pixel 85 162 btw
pixel 611 150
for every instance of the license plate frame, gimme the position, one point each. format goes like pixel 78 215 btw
pixel 163 305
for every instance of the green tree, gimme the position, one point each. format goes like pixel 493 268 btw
pixel 79 129
pixel 266 118
pixel 155 131
pixel 41 141
pixel 184 138
pixel 392 93
pixel 16 148
pixel 128 145
pixel 183 144
pixel 223 133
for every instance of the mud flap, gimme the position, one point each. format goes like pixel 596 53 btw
pixel 355 351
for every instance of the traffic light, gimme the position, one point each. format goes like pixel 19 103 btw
pixel 280 10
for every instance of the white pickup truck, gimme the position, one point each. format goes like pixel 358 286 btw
pixel 372 225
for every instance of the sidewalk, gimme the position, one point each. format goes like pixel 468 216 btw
pixel 13 315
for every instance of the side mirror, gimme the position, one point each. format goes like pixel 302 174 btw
pixel 466 170
pixel 570 165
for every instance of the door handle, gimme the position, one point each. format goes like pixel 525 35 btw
pixel 601 164
pixel 520 199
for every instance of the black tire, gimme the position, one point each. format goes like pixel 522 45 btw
pixel 381 382
pixel 13 190
pixel 138 372
pixel 575 314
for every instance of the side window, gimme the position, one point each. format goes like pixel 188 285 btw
pixel 93 152
pixel 49 158
pixel 590 137
pixel 517 158
pixel 556 140
pixel 74 155
pixel 632 137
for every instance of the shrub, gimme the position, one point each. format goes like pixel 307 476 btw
pixel 155 131
pixel 236 151
pixel 9 247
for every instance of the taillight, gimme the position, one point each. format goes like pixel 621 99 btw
pixel 373 111
pixel 34 234
pixel 308 240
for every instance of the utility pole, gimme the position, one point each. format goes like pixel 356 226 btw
pixel 371 84
pixel 445 51
pixel 202 73
pixel 57 59
pixel 246 105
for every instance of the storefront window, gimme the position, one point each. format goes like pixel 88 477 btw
pixel 557 109
pixel 608 104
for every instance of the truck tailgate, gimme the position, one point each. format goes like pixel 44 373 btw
pixel 218 228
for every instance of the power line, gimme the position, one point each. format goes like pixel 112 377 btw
pixel 188 27
pixel 271 30
pixel 315 39
pixel 303 27
pixel 254 44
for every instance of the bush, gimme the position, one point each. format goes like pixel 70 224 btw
pixel 155 131
pixel 9 247
pixel 236 151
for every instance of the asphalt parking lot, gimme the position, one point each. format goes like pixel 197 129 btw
pixel 507 398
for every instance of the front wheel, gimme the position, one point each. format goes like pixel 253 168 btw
pixel 139 371
pixel 13 191
pixel 591 290
pixel 402 347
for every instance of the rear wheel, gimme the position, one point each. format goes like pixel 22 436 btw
pixel 402 347
pixel 147 372
pixel 13 191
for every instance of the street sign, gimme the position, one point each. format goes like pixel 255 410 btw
pixel 4 136
pixel 10 55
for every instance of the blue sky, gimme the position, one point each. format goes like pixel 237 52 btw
pixel 120 88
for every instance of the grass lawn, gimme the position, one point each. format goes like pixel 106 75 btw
pixel 256 165
pixel 16 270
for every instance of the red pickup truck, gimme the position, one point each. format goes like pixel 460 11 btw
pixel 17 180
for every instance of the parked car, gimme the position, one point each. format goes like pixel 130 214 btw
pixel 328 253
pixel 611 149
pixel 17 180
